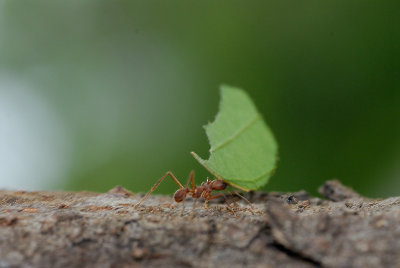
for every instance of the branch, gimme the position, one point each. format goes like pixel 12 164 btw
pixel 76 229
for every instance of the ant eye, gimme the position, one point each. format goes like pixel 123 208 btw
pixel 180 195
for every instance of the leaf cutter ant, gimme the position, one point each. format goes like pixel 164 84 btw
pixel 204 190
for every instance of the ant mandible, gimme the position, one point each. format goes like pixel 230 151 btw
pixel 204 190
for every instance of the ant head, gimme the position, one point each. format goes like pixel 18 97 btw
pixel 218 185
pixel 180 194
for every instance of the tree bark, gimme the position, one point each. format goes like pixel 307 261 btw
pixel 85 229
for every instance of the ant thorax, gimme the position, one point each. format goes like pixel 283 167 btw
pixel 199 190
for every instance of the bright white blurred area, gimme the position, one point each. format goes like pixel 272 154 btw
pixel 33 142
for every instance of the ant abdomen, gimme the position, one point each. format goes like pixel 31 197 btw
pixel 180 195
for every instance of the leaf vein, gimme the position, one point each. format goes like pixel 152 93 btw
pixel 237 133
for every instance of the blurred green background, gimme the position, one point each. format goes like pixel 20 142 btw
pixel 99 93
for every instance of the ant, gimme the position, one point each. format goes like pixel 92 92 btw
pixel 204 190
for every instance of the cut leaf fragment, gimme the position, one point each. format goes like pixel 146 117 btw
pixel 243 149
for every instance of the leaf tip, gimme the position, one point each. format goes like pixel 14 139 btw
pixel 225 88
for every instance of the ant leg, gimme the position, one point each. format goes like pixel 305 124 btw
pixel 245 199
pixel 205 206
pixel 169 173
pixel 183 207
pixel 233 199
pixel 194 205
pixel 190 178
pixel 226 201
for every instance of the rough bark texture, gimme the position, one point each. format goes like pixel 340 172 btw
pixel 61 229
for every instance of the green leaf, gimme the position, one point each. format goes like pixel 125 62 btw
pixel 243 149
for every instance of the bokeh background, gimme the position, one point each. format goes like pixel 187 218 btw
pixel 99 93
